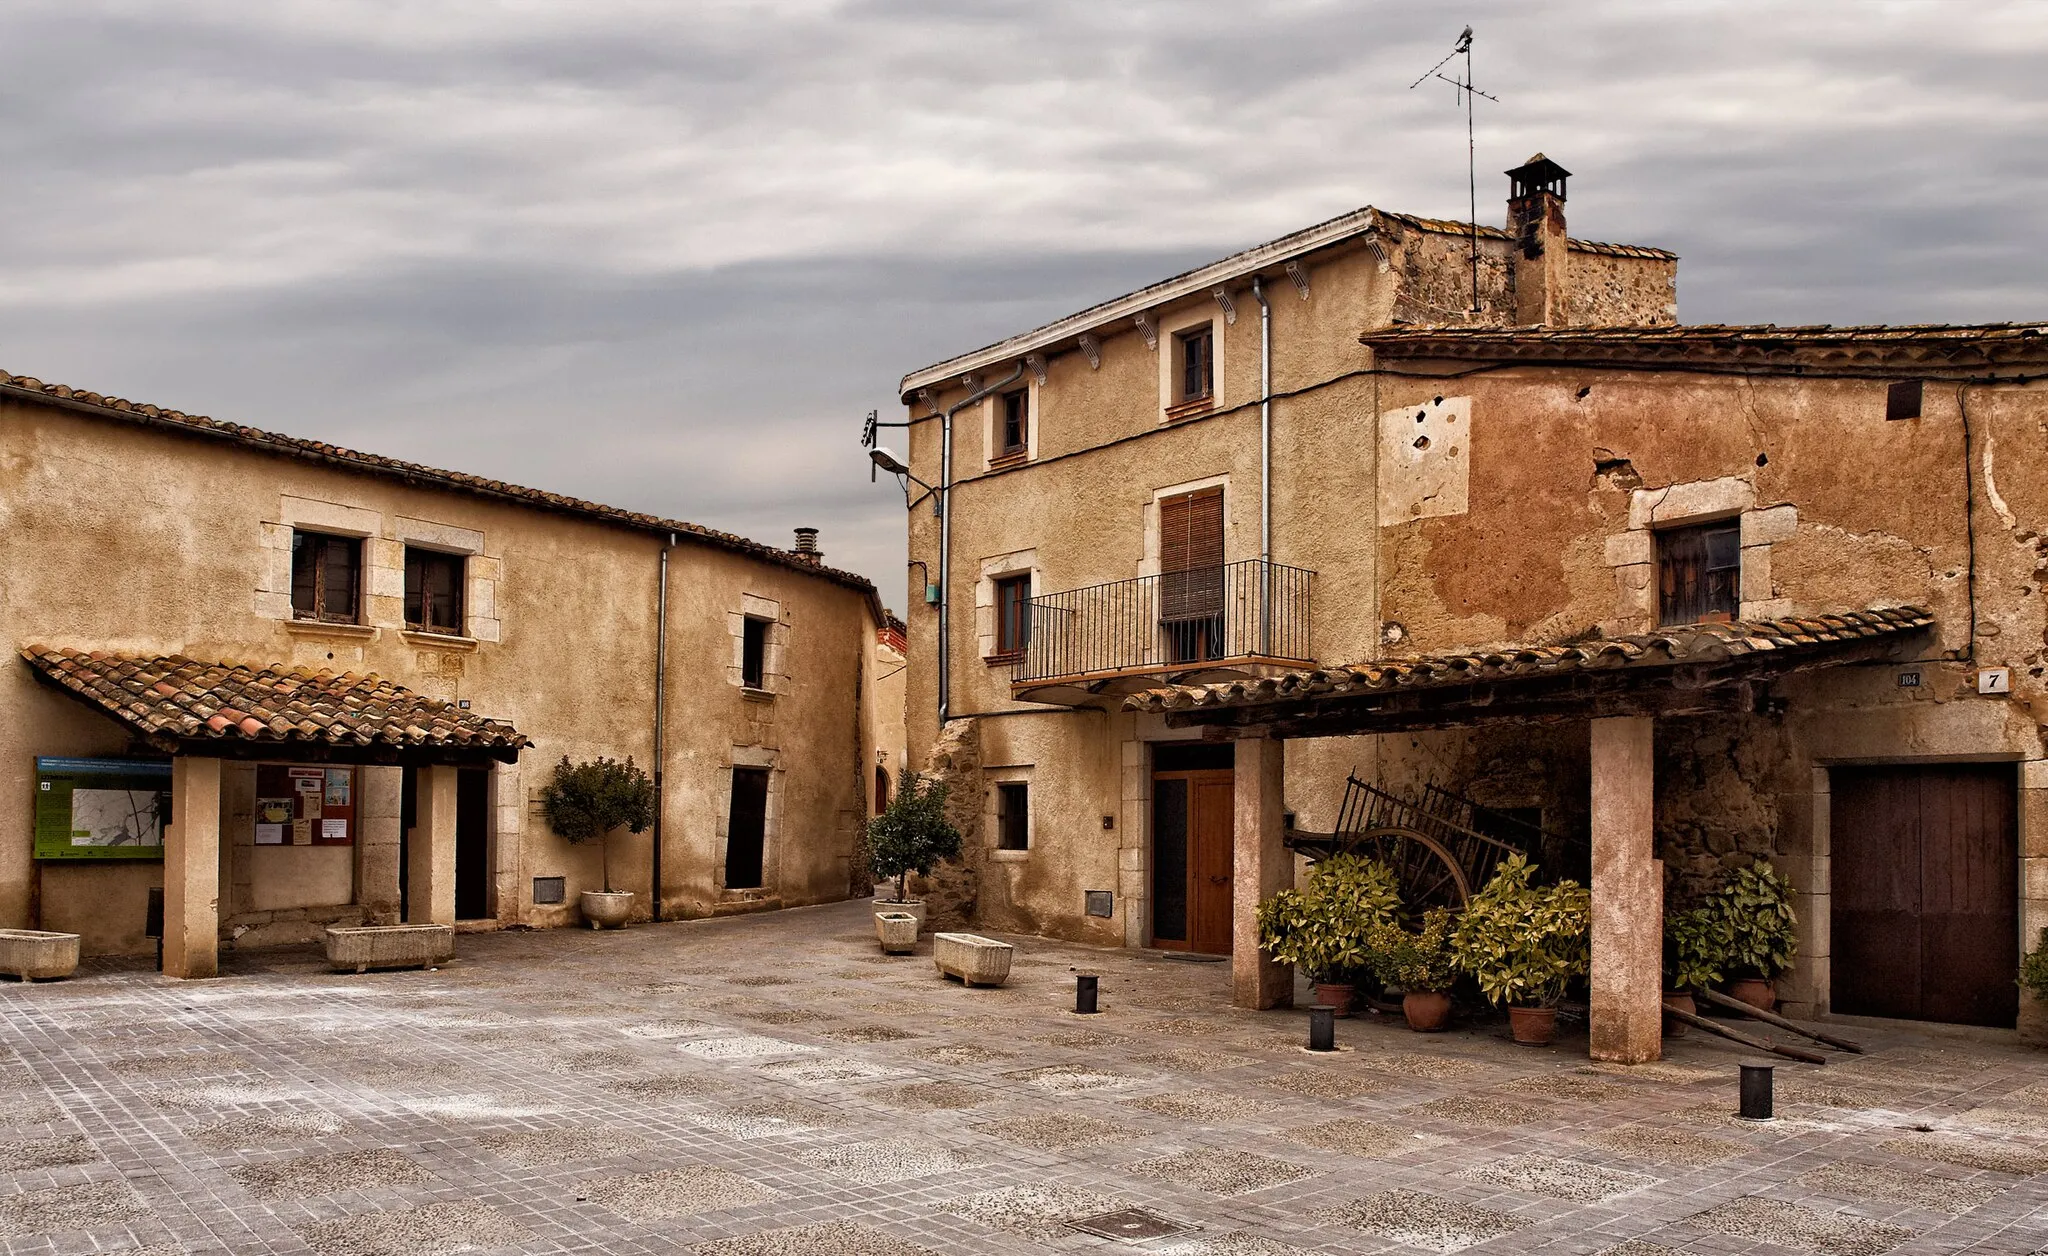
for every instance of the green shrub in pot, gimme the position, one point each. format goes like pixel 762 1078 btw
pixel 1696 947
pixel 583 801
pixel 1525 943
pixel 1325 927
pixel 1419 961
pixel 912 834
pixel 1753 910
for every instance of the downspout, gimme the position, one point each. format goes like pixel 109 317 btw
pixel 1265 468
pixel 946 535
pixel 660 709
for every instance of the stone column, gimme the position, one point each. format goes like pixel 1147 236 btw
pixel 508 852
pixel 1263 867
pixel 379 803
pixel 192 870
pixel 1626 1023
pixel 430 871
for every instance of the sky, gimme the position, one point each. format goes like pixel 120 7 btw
pixel 668 255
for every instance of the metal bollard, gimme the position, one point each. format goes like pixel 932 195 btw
pixel 1756 1092
pixel 1322 1028
pixel 1084 995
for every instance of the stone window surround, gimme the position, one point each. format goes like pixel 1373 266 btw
pixel 992 426
pixel 1014 563
pixel 1170 326
pixel 771 825
pixel 774 677
pixel 383 566
pixel 1633 554
pixel 990 823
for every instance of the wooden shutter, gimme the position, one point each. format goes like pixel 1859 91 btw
pixel 1191 555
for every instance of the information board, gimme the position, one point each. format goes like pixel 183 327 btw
pixel 304 805
pixel 101 808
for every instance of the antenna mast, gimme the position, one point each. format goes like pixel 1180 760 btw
pixel 1467 91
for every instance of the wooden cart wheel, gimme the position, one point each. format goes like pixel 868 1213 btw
pixel 1429 874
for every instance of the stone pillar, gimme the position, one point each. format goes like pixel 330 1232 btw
pixel 1626 1022
pixel 1263 866
pixel 379 802
pixel 192 853
pixel 508 851
pixel 430 871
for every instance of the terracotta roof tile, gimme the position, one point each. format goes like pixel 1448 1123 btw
pixel 1933 344
pixel 1665 647
pixel 173 701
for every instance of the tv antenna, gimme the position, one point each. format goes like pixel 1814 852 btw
pixel 1467 91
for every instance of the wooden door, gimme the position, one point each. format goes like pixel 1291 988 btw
pixel 1193 822
pixel 1925 892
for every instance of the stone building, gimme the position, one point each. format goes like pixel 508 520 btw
pixel 293 684
pixel 1618 589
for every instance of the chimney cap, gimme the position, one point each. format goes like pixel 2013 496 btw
pixel 1538 174
pixel 806 546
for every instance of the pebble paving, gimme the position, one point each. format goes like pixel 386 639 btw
pixel 772 1086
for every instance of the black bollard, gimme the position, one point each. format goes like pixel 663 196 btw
pixel 1084 995
pixel 1756 1092
pixel 1322 1028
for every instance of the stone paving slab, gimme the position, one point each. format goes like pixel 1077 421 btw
pixel 772 1086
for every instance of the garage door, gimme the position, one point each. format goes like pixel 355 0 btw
pixel 1925 892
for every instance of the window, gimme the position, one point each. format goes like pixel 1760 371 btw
pixel 1699 573
pixel 1902 399
pixel 433 591
pixel 1013 816
pixel 1191 575
pixel 1195 350
pixel 754 653
pixel 326 575
pixel 1013 614
pixel 1015 437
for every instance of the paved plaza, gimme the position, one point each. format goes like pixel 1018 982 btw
pixel 772 1084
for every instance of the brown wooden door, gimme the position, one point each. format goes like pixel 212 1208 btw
pixel 1193 820
pixel 1925 892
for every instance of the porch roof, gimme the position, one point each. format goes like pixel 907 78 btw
pixel 1672 670
pixel 244 711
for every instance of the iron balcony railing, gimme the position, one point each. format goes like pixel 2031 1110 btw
pixel 1174 621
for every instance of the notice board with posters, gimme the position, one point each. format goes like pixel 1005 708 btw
pixel 101 808
pixel 305 805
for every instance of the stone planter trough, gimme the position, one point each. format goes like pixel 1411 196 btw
pixel 606 909
pixel 896 931
pixel 976 961
pixel 914 907
pixel 37 955
pixel 389 946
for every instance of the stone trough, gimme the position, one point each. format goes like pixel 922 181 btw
pixel 389 946
pixel 37 955
pixel 975 960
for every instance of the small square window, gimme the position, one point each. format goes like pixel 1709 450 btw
pixel 754 653
pixel 1015 436
pixel 1902 399
pixel 1013 613
pixel 433 591
pixel 326 577
pixel 1699 573
pixel 1013 815
pixel 1195 358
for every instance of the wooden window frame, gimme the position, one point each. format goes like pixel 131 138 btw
pixel 754 653
pixel 1187 400
pixel 1013 622
pixel 419 608
pixel 1013 405
pixel 1714 594
pixel 318 610
pixel 1013 815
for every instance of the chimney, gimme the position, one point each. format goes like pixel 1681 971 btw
pixel 1538 256
pixel 806 546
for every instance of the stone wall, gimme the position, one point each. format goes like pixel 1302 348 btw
pixel 953 891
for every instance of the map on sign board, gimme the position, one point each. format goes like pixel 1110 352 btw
pixel 101 808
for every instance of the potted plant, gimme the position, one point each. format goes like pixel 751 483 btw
pixel 1325 928
pixel 1424 964
pixel 1753 909
pixel 911 835
pixel 1525 943
pixel 1696 944
pixel 586 801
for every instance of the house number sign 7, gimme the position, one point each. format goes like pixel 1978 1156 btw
pixel 1994 680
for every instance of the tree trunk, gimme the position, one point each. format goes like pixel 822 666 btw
pixel 605 857
pixel 903 886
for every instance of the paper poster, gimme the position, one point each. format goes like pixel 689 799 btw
pixel 309 806
pixel 334 830
pixel 269 834
pixel 302 832
pixel 307 784
pixel 337 787
pixel 275 811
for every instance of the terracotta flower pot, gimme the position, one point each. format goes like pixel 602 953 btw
pixel 1335 996
pixel 1754 991
pixel 1428 1011
pixel 1673 1027
pixel 1533 1026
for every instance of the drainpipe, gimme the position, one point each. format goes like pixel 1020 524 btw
pixel 946 535
pixel 660 708
pixel 1265 467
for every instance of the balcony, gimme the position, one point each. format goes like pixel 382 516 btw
pixel 1212 623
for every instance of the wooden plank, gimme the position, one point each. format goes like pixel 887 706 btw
pixel 1718 999
pixel 1747 1040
